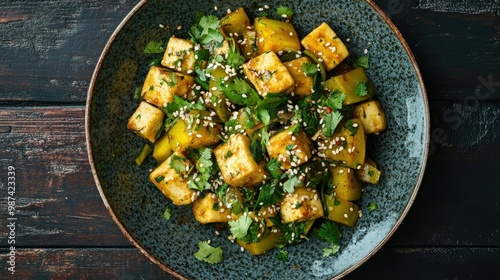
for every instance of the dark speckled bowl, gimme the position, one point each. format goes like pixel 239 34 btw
pixel 137 206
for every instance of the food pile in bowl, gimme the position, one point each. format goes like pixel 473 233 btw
pixel 259 131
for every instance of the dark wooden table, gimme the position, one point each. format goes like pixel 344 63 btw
pixel 48 51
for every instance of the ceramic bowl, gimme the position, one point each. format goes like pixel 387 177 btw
pixel 137 205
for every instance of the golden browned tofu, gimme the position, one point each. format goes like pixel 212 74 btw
pixel 146 121
pixel 236 162
pixel 179 55
pixel 290 149
pixel 302 205
pixel 268 74
pixel 205 212
pixel 372 116
pixel 161 85
pixel 275 35
pixel 171 178
pixel 193 131
pixel 303 83
pixel 326 45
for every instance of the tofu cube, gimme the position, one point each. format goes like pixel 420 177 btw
pixel 290 149
pixel 205 212
pixel 268 74
pixel 161 85
pixel 303 83
pixel 146 121
pixel 236 162
pixel 275 35
pixel 372 116
pixel 303 204
pixel 171 178
pixel 179 55
pixel 326 45
pixel 194 130
pixel 249 44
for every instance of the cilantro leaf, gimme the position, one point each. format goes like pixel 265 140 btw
pixel 331 251
pixel 309 68
pixel 284 11
pixel 330 122
pixel 167 213
pixel 208 253
pixel 154 47
pixel 177 163
pixel 282 255
pixel 257 152
pixel 206 31
pixel 330 232
pixel 269 194
pixel 352 126
pixel 335 100
pixel 372 206
pixel 239 228
pixel 239 92
pixel 204 166
pixel 273 167
pixel 291 183
pixel 362 62
pixel 361 89
pixel 266 108
pixel 159 178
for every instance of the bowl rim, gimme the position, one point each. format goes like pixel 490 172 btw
pixel 166 268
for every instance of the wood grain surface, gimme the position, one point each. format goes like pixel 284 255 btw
pixel 49 49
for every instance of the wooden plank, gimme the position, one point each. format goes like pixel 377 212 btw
pixel 455 44
pixel 56 198
pixel 123 263
pixel 46 59
pixel 59 204
pixel 49 51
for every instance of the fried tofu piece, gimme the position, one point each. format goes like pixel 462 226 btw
pixel 268 74
pixel 162 84
pixel 290 149
pixel 326 45
pixel 236 162
pixel 179 55
pixel 146 121
pixel 302 205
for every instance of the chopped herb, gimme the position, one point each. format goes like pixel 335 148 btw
pixel 205 169
pixel 361 89
pixel 282 255
pixel 228 154
pixel 362 62
pixel 137 93
pixel 284 11
pixel 151 87
pixel 372 206
pixel 330 122
pixel 240 92
pixel 159 178
pixel 206 31
pixel 330 232
pixel 239 228
pixel 208 253
pixel 177 163
pixel 334 100
pixel 167 213
pixel 266 108
pixel 273 167
pixel 257 151
pixel 297 205
pixel 154 47
pixel 352 126
pixel 269 194
pixel 291 183
pixel 309 69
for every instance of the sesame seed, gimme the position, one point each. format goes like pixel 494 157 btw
pixel 261 39
pixel 215 8
pixel 346 216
